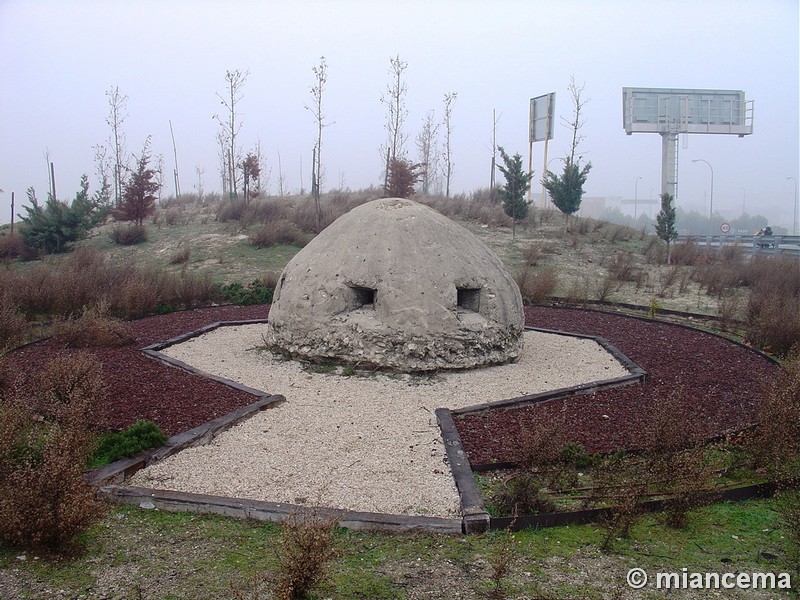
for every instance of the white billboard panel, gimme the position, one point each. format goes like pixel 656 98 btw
pixel 541 119
pixel 668 110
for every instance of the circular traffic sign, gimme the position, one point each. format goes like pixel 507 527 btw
pixel 725 228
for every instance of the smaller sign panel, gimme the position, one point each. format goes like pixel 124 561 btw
pixel 541 121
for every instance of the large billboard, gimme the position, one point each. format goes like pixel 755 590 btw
pixel 668 110
pixel 541 120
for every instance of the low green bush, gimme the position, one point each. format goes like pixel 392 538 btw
pixel 256 292
pixel 113 446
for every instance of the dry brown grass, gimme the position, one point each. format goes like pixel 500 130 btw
pixel 622 267
pixel 278 232
pixel 536 251
pixel 128 235
pixel 87 279
pixel 502 561
pixel 774 443
pixel 181 256
pixel 537 285
pixel 773 308
pixel 93 328
pixel 11 246
pixel 688 253
pixel 13 326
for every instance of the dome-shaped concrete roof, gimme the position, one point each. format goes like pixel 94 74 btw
pixel 395 284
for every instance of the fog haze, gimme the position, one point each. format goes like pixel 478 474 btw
pixel 57 60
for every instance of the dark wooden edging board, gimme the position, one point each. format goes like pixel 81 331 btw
pixel 271 511
pixel 475 519
pixel 171 500
pixel 154 351
pixel 637 375
pixel 579 517
pixel 119 471
pixel 764 355
pixel 471 498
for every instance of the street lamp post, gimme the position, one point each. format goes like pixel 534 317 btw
pixel 795 208
pixel 635 198
pixel 744 197
pixel 711 202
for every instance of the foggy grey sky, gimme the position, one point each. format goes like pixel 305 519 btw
pixel 58 58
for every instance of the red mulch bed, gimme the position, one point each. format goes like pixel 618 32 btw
pixel 142 388
pixel 719 380
pixel 722 380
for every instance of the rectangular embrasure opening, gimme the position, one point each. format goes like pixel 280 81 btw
pixel 362 297
pixel 469 299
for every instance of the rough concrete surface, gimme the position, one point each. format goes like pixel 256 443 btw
pixel 395 284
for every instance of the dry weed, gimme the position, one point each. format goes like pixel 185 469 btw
pixel 537 285
pixel 305 553
pixel 94 328
pixel 44 445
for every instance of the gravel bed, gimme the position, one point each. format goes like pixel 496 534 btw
pixel 363 443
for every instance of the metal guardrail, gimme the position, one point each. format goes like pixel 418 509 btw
pixel 755 244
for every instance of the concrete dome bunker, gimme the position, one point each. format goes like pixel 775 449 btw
pixel 393 284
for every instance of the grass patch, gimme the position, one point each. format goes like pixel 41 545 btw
pixel 203 554
pixel 113 446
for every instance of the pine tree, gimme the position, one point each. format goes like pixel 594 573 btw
pixel 518 181
pixel 53 226
pixel 139 196
pixel 665 222
pixel 566 191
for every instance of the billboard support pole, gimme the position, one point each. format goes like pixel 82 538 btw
pixel 531 122
pixel 548 135
pixel 530 166
pixel 544 172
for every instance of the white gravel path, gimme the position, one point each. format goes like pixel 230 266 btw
pixel 358 443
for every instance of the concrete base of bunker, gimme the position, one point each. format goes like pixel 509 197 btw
pixel 397 350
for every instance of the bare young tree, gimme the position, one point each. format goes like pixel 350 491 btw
pixel 492 180
pixel 229 126
pixel 117 105
pixel 199 172
pixel 577 121
pixel 281 177
pixel 321 74
pixel 103 167
pixel 396 113
pixel 428 149
pixel 224 173
pixel 449 100
pixel 566 191
pixel 262 182
pixel 159 174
